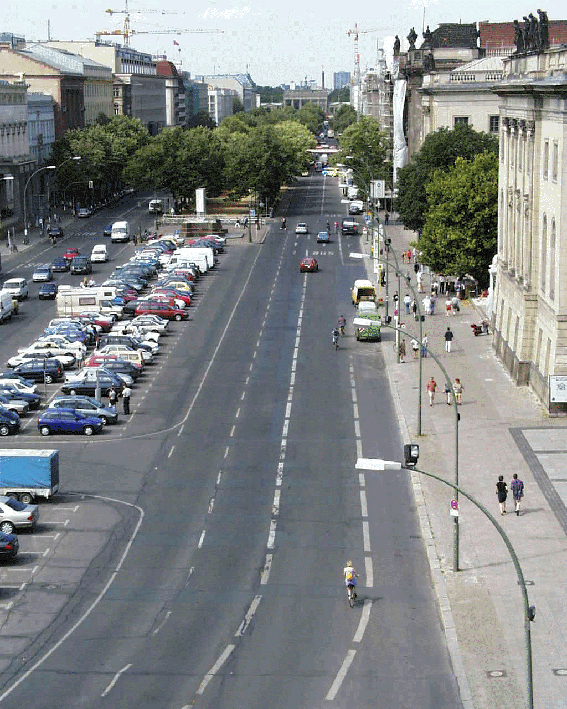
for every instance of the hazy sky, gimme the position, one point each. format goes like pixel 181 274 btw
pixel 276 42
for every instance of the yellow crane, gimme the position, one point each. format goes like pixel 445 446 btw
pixel 126 32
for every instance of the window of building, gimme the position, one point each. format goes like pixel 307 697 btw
pixel 461 120
pixel 543 260
pixel 520 153
pixel 552 261
pixel 555 161
pixel 493 124
pixel 546 160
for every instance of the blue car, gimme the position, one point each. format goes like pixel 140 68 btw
pixel 59 265
pixel 9 422
pixel 73 334
pixel 323 237
pixel 68 421
pixel 47 291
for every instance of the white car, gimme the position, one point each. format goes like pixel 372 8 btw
pixel 154 321
pixel 143 334
pixel 19 386
pixel 147 357
pixel 57 342
pixel 66 360
pixel 18 287
pixel 302 228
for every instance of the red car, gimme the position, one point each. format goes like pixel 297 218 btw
pixel 172 293
pixel 308 264
pixel 164 310
pixel 70 254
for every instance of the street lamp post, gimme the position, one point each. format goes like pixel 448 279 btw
pixel 40 169
pixel 76 158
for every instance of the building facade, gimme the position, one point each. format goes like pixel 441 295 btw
pixel 221 103
pixel 341 79
pixel 41 126
pixel 302 96
pixel 175 100
pixel 529 309
pixel 241 84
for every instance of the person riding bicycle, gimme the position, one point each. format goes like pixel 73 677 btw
pixel 342 323
pixel 328 227
pixel 283 224
pixel 336 337
pixel 350 575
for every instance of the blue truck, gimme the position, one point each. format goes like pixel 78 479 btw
pixel 28 474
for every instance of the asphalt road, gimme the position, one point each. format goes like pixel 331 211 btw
pixel 228 505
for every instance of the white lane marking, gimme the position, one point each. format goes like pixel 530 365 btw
pixel 276 503
pixel 215 668
pixel 355 410
pixel 171 451
pixel 265 573
pixel 369 571
pixel 181 430
pixel 219 476
pixel 115 679
pixel 232 431
pixel 279 474
pixel 226 451
pixel 237 412
pixel 364 618
pixel 358 448
pixel 366 536
pixel 248 617
pixel 285 428
pixel 361 480
pixel 341 674
pixel 201 539
pixel 243 395
pixel 163 622
pixel 292 379
pixel 288 410
pixel 363 504
pixel 272 534
pixel 247 380
pixel 211 505
pixel 357 428
pixel 353 393
pixel 66 509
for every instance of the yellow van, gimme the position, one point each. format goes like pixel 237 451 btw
pixel 363 290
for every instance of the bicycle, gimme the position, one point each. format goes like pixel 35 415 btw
pixel 351 594
pixel 336 338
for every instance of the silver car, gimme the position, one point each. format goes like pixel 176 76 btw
pixel 12 403
pixel 16 515
pixel 86 405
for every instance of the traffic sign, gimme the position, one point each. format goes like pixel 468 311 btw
pixel 454 508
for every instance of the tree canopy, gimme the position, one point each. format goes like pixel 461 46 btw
pixel 460 231
pixel 365 147
pixel 344 117
pixel 438 152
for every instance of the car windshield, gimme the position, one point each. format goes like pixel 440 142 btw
pixel 15 504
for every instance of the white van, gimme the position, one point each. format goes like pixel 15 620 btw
pixel 18 287
pixel 189 252
pixel 120 232
pixel 99 253
pixel 155 206
pixel 6 306
pixel 71 302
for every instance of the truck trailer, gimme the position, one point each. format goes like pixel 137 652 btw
pixel 28 474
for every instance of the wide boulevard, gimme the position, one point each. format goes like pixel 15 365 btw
pixel 195 555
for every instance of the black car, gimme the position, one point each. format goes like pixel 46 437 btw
pixel 59 265
pixel 122 366
pixel 48 370
pixel 55 231
pixel 88 387
pixel 130 308
pixel 128 340
pixel 33 400
pixel 9 422
pixel 81 265
pixel 107 230
pixel 47 291
pixel 9 545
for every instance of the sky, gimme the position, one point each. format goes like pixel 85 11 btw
pixel 276 43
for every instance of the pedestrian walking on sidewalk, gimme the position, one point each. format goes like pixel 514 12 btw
pixel 502 492
pixel 432 300
pixel 415 348
pixel 409 255
pixel 126 394
pixel 414 308
pixel 455 307
pixel 402 350
pixel 404 256
pixel 407 302
pixel 458 389
pixel 431 389
pixel 419 277
pixel 424 343
pixel 448 307
pixel 448 339
pixel 426 302
pixel 517 487
pixel 386 217
pixel 448 393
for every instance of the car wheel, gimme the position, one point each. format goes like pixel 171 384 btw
pixel 45 430
pixel 104 420
pixel 4 430
pixel 178 318
pixel 48 379
pixel 88 430
pixel 27 498
pixel 13 495
pixel 72 392
pixel 7 527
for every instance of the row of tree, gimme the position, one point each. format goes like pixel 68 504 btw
pixel 258 151
pixel 448 193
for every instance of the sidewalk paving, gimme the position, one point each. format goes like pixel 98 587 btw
pixel 503 430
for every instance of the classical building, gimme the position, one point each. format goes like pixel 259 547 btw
pixel 461 96
pixel 41 126
pixel 137 89
pixel 16 163
pixel 529 309
pixel 301 96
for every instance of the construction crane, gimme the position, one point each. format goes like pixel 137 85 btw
pixel 357 79
pixel 126 32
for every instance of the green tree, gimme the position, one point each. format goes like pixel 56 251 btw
pixel 270 94
pixel 201 118
pixel 438 152
pixel 339 95
pixel 344 117
pixel 237 106
pixel 460 232
pixel 366 148
pixel 311 116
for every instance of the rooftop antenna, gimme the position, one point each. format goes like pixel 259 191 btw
pixel 49 30
pixel 423 21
